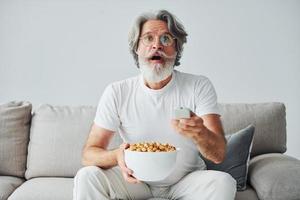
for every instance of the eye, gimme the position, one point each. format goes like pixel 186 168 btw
pixel 166 39
pixel 148 38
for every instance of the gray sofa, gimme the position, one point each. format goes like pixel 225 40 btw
pixel 40 150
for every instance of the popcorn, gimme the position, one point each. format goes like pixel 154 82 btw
pixel 151 147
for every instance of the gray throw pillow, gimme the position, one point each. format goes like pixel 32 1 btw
pixel 237 156
pixel 14 135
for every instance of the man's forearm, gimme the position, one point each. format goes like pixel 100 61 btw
pixel 100 157
pixel 211 146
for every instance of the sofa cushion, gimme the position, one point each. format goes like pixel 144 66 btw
pixel 268 120
pixel 14 134
pixel 8 184
pixel 57 137
pixel 45 189
pixel 237 156
pixel 248 194
pixel 275 176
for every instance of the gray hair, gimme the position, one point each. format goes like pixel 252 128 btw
pixel 174 26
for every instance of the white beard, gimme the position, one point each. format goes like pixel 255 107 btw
pixel 155 73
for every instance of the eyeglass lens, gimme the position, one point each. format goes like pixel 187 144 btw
pixel 165 39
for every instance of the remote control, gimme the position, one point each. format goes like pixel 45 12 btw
pixel 182 113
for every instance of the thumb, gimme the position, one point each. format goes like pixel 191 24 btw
pixel 124 146
pixel 192 113
pixel 194 116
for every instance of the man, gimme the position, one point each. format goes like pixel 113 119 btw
pixel 140 109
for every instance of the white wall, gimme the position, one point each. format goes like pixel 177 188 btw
pixel 65 52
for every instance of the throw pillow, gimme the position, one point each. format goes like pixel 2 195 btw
pixel 14 135
pixel 237 156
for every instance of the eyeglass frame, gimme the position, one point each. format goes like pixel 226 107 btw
pixel 159 37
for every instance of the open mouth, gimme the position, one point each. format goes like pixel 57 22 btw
pixel 156 57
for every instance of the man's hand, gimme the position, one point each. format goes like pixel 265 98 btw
pixel 191 127
pixel 127 173
pixel 206 132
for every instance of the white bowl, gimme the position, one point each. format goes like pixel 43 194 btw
pixel 150 166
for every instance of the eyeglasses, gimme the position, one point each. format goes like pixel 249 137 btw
pixel 165 39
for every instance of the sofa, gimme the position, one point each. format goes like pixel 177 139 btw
pixel 40 150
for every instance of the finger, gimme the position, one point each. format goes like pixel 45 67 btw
pixel 185 126
pixel 192 121
pixel 126 178
pixel 133 179
pixel 190 134
pixel 189 122
pixel 189 128
pixel 130 178
pixel 184 131
pixel 123 166
pixel 124 146
pixel 121 160
pixel 194 116
pixel 192 113
pixel 127 145
pixel 126 170
pixel 197 119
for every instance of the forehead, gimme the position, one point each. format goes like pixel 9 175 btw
pixel 156 26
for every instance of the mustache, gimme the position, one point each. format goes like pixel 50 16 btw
pixel 159 53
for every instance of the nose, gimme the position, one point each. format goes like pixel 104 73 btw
pixel 157 45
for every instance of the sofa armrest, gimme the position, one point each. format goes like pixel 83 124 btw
pixel 275 176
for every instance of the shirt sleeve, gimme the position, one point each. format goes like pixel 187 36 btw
pixel 206 98
pixel 107 114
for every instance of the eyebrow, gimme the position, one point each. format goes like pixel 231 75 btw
pixel 148 32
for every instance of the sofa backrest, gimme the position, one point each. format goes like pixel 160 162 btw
pixel 269 120
pixel 58 133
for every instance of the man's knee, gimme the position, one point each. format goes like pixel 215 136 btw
pixel 225 184
pixel 225 180
pixel 218 179
pixel 87 173
pixel 89 170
